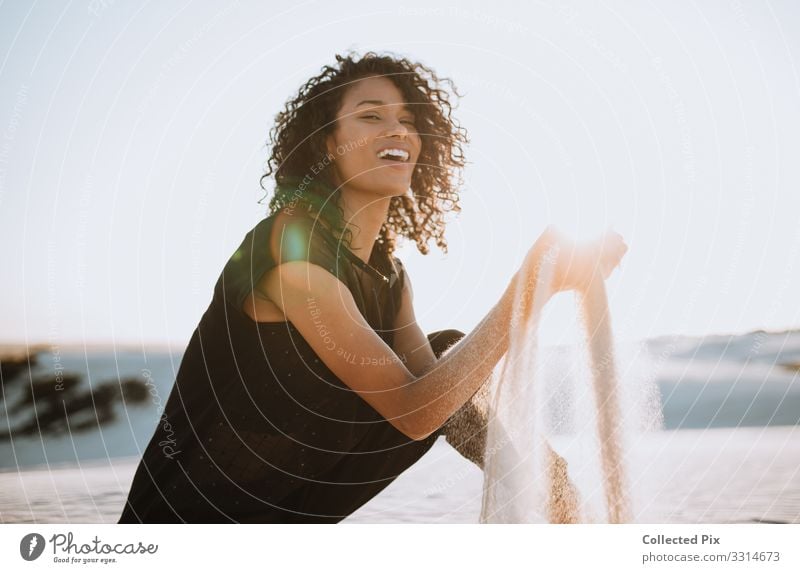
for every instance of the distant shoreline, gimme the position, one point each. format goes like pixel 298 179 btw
pixel 8 348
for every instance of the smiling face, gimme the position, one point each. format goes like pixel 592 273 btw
pixel 375 144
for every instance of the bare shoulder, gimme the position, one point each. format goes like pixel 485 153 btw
pixel 292 236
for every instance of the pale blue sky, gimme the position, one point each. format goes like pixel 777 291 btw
pixel 132 138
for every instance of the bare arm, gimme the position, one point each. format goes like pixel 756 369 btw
pixel 466 429
pixel 456 378
pixel 325 314
pixel 438 393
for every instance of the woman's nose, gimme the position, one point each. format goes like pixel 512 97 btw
pixel 398 128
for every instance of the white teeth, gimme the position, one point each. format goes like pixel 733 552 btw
pixel 403 155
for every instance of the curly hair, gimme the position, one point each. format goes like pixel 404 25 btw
pixel 297 142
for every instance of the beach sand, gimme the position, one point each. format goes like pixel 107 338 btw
pixel 721 475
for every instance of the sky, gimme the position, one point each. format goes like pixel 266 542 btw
pixel 133 137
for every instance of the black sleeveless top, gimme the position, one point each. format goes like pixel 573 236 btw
pixel 255 419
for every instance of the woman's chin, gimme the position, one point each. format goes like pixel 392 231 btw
pixel 384 186
pixel 391 187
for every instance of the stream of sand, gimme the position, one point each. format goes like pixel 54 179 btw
pixel 525 479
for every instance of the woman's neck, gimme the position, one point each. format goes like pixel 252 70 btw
pixel 364 215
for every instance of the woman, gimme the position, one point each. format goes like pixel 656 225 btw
pixel 308 386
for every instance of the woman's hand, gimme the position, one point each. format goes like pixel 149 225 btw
pixel 577 264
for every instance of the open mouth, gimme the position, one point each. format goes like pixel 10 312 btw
pixel 393 154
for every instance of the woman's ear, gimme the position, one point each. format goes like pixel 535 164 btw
pixel 330 145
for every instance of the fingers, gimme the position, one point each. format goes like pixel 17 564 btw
pixel 542 250
pixel 578 264
pixel 612 249
pixel 549 237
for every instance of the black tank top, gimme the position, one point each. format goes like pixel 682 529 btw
pixel 254 414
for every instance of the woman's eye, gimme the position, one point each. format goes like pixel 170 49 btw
pixel 374 116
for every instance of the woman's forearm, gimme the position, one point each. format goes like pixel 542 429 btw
pixel 436 395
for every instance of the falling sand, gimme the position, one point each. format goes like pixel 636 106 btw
pixel 596 319
pixel 525 479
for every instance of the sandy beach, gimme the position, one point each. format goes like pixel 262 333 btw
pixel 722 475
pixel 730 450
